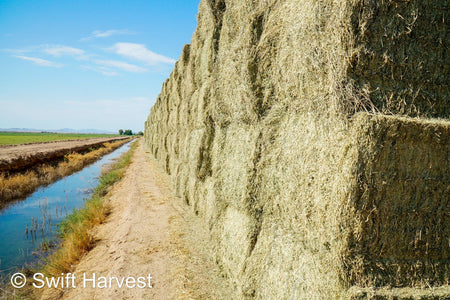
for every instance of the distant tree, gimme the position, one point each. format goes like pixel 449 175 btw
pixel 120 131
pixel 140 133
pixel 128 132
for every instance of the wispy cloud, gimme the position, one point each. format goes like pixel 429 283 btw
pixel 106 33
pixel 40 61
pixel 103 70
pixel 20 51
pixel 53 50
pixel 63 50
pixel 140 53
pixel 120 65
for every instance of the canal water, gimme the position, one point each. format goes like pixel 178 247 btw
pixel 25 225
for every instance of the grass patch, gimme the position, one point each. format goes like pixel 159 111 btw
pixel 75 230
pixel 19 185
pixel 17 138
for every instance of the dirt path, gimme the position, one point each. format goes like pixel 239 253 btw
pixel 15 157
pixel 149 232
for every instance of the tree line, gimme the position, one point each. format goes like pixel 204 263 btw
pixel 129 132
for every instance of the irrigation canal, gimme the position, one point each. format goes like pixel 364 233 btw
pixel 26 225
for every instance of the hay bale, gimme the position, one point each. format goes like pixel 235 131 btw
pixel 402 58
pixel 287 126
pixel 401 202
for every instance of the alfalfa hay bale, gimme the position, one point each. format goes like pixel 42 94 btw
pixel 401 202
pixel 303 196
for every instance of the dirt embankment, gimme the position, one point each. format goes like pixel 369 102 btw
pixel 20 157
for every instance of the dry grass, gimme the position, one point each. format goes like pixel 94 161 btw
pixel 266 126
pixel 19 185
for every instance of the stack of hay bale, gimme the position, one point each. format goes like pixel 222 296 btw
pixel 313 139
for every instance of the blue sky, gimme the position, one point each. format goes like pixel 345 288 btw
pixel 87 64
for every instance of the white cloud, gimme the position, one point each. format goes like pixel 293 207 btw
pixel 120 65
pixel 63 50
pixel 103 70
pixel 140 53
pixel 20 51
pixel 106 33
pixel 40 61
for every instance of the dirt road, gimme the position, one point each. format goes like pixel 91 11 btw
pixel 16 157
pixel 149 232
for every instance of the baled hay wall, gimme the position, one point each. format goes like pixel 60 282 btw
pixel 258 125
